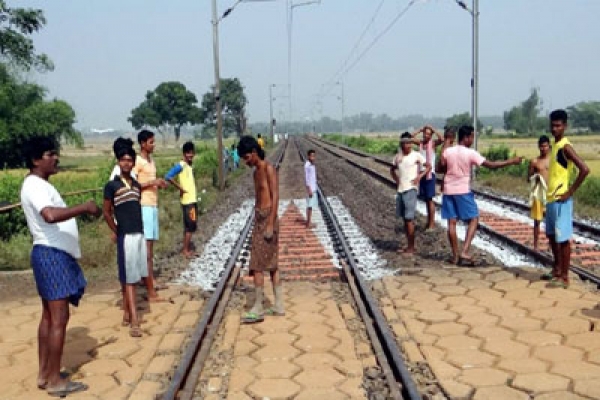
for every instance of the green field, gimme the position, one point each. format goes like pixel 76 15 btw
pixel 89 168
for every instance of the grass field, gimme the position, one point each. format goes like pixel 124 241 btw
pixel 89 168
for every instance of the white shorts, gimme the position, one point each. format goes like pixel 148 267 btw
pixel 312 202
pixel 131 258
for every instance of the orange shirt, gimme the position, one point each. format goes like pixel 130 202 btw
pixel 145 171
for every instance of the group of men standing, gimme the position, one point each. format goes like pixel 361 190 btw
pixel 549 175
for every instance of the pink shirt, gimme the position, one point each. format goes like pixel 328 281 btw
pixel 459 160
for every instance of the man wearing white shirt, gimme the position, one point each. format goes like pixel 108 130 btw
pixel 310 177
pixel 57 274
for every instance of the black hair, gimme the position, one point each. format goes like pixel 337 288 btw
pixel 559 115
pixel 123 147
pixel 464 132
pixel 449 131
pixel 188 147
pixel 543 139
pixel 232 146
pixel 144 135
pixel 258 136
pixel 311 151
pixel 247 145
pixel 405 135
pixel 35 147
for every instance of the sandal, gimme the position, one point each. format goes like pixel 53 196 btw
pixel 548 276
pixel 67 389
pixel 465 262
pixel 274 313
pixel 251 318
pixel 135 331
pixel 558 283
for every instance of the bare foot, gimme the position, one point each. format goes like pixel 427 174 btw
pixel 406 252
pixel 157 299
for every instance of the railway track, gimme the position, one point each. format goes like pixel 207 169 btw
pixel 389 357
pixel 585 256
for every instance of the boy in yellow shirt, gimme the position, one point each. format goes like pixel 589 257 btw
pixel 187 189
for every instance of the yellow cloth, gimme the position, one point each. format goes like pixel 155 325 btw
pixel 537 210
pixel 558 174
pixel 145 170
pixel 537 196
pixel 186 181
pixel 261 143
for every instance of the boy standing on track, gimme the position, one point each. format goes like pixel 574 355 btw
pixel 459 201
pixel 310 177
pixel 559 210
pixel 145 170
pixel 538 179
pixel 427 148
pixel 122 203
pixel 187 191
pixel 57 274
pixel 405 172
pixel 265 234
pixel 449 139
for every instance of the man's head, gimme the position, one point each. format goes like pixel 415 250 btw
pixel 466 135
pixel 544 145
pixel 427 134
pixel 146 140
pixel 406 142
pixel 41 153
pixel 188 152
pixel 125 154
pixel 258 136
pixel 311 156
pixel 558 123
pixel 250 151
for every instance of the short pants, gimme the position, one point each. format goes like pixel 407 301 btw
pixel 150 220
pixel 131 258
pixel 559 220
pixel 190 217
pixel 427 188
pixel 311 202
pixel 57 274
pixel 406 204
pixel 459 206
pixel 537 210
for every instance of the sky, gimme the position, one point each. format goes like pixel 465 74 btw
pixel 109 53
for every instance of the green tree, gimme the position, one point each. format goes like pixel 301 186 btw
pixel 585 114
pixel 458 120
pixel 16 47
pixel 24 112
pixel 526 117
pixel 167 108
pixel 233 105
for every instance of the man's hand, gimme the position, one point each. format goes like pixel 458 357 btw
pixel 565 196
pixel 415 181
pixel 161 183
pixel 310 193
pixel 92 208
pixel 182 192
pixel 113 237
pixel 517 160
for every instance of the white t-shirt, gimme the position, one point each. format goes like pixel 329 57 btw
pixel 408 169
pixel 37 194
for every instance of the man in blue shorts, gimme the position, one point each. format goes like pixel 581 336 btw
pixel 458 202
pixel 559 196
pixel 57 274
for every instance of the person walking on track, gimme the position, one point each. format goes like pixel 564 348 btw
pixel 310 178
pixel 58 276
pixel 458 202
pixel 559 209
pixel 265 234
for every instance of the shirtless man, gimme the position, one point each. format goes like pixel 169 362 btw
pixel 538 178
pixel 265 235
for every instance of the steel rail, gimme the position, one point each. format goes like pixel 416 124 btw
pixel 195 354
pixel 583 273
pixel 579 225
pixel 388 354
